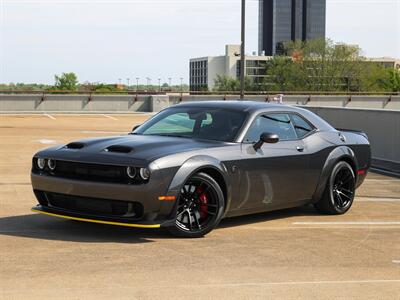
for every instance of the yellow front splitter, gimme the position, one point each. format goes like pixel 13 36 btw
pixel 97 221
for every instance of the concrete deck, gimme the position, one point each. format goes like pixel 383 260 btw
pixel 291 254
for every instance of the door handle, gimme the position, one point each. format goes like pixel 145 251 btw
pixel 300 148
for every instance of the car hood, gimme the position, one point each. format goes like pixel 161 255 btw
pixel 134 147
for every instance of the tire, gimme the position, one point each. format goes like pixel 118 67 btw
pixel 339 192
pixel 200 207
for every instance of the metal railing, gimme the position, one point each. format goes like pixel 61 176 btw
pixel 200 93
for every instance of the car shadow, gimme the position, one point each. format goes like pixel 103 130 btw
pixel 49 228
pixel 38 226
pixel 307 210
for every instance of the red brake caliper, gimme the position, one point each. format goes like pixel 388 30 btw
pixel 203 201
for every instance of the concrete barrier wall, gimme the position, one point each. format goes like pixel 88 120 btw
pixel 381 126
pixel 129 103
pixel 74 103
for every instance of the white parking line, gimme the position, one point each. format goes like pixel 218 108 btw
pixel 104 132
pixel 383 180
pixel 350 223
pixel 50 116
pixel 47 142
pixel 110 117
pixel 370 281
pixel 368 199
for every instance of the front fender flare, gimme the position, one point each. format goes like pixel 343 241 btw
pixel 337 154
pixel 192 166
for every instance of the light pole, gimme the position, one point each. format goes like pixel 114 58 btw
pixel 159 84
pixel 148 83
pixel 169 82
pixel 181 98
pixel 127 81
pixel 137 84
pixel 242 51
pixel 119 81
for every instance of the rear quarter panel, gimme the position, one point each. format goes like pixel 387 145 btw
pixel 336 146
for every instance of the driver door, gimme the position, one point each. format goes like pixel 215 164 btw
pixel 273 174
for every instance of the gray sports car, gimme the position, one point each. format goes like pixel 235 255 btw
pixel 193 164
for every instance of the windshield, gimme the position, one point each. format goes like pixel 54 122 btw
pixel 203 123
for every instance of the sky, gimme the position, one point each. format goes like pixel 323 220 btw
pixel 106 40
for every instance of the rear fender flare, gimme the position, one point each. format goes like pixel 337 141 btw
pixel 337 154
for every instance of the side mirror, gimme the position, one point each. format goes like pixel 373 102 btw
pixel 266 137
pixel 136 127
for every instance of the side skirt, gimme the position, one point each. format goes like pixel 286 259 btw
pixel 249 211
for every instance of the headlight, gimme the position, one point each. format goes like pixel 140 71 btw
pixel 41 163
pixel 51 164
pixel 131 172
pixel 144 173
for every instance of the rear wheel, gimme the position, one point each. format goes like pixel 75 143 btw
pixel 200 207
pixel 339 192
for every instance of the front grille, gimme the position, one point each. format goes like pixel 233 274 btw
pixel 94 206
pixel 91 172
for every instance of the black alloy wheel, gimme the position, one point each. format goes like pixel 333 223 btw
pixel 200 207
pixel 340 190
pixel 343 188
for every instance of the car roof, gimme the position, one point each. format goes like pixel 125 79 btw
pixel 242 105
pixel 254 107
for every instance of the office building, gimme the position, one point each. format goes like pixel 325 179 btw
pixel 281 21
pixel 204 70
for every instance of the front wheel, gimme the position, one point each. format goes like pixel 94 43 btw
pixel 200 207
pixel 339 192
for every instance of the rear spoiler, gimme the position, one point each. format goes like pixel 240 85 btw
pixel 353 131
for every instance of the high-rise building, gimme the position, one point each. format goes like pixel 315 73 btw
pixel 288 20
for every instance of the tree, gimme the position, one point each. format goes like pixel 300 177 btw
pixel 325 65
pixel 67 81
pixel 229 84
pixel 226 83
pixel 391 82
pixel 283 75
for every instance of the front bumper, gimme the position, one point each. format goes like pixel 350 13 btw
pixel 99 220
pixel 153 210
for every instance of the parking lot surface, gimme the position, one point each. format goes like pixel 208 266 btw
pixel 290 254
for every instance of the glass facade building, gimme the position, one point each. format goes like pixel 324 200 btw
pixel 286 20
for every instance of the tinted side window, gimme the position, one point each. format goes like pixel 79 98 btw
pixel 279 124
pixel 301 126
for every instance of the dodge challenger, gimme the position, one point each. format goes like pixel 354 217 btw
pixel 193 164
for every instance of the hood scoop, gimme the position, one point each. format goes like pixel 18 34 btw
pixel 75 145
pixel 119 149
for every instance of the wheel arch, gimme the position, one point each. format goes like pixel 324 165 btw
pixel 351 162
pixel 204 164
pixel 342 153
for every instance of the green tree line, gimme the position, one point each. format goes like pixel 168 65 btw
pixel 68 82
